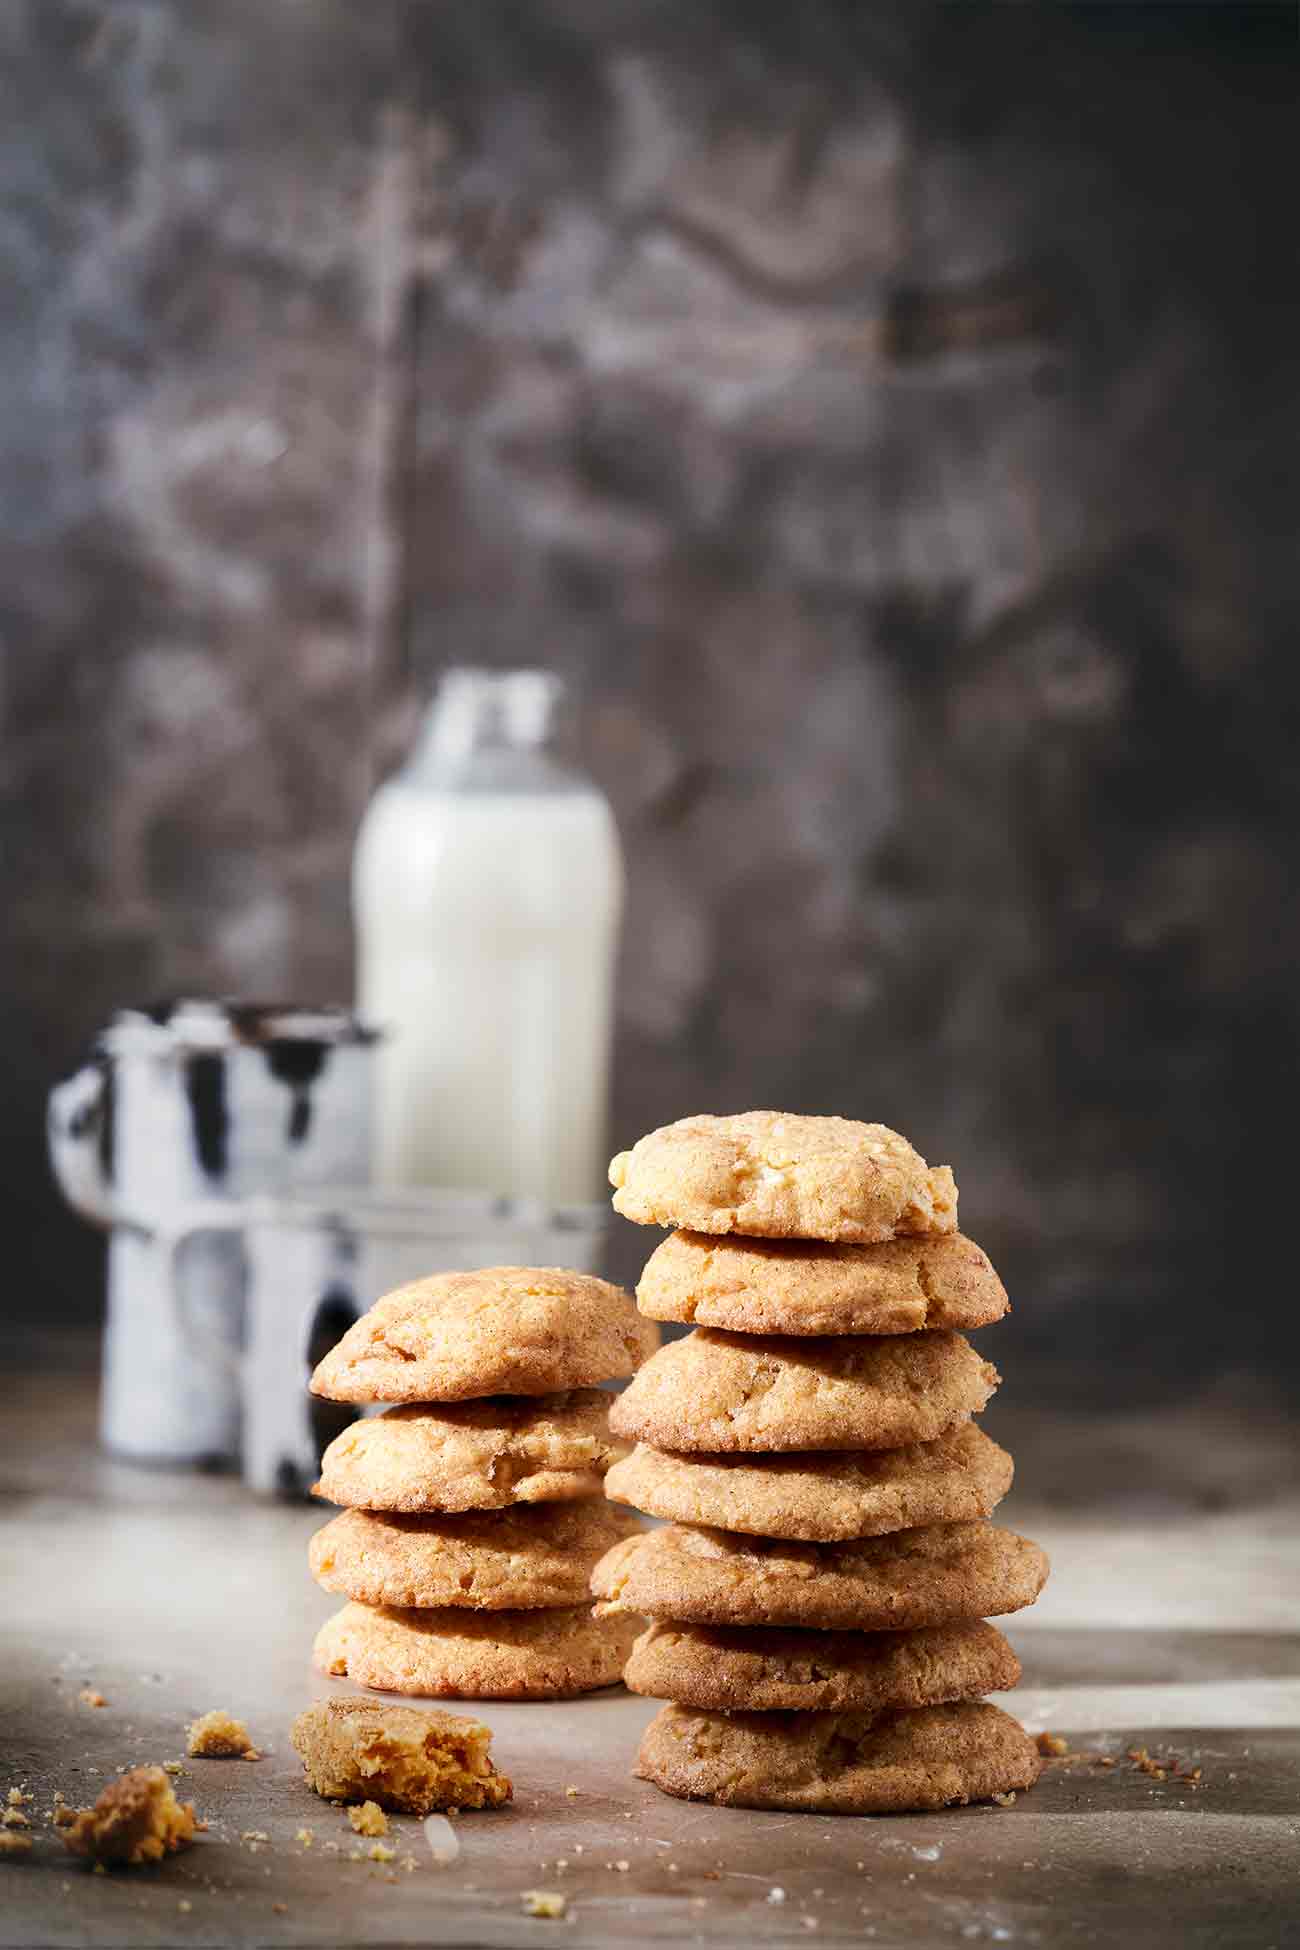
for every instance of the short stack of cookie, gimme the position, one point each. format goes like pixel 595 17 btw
pixel 473 1509
pixel 818 1601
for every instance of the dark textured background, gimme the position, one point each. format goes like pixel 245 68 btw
pixel 887 413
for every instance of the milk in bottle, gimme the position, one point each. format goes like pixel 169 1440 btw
pixel 487 891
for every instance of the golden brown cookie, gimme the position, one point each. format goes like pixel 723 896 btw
pixel 774 1175
pixel 821 1497
pixel 874 1584
pixel 476 1655
pixel 494 1560
pixel 839 1763
pixel 723 1392
pixel 802 1286
pixel 727 1667
pixel 408 1758
pixel 502 1330
pixel 476 1455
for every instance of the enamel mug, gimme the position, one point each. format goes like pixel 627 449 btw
pixel 198 1102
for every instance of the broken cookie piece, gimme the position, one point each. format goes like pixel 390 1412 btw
pixel 220 1736
pixel 136 1819
pixel 407 1758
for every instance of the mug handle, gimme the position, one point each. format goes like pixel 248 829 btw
pixel 74 1121
pixel 213 1216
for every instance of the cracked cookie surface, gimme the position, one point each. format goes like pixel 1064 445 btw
pixel 721 1392
pixel 820 1497
pixel 896 1582
pixel 408 1758
pixel 839 1763
pixel 474 1455
pixel 499 1560
pixel 772 1174
pixel 499 1330
pixel 728 1668
pixel 804 1286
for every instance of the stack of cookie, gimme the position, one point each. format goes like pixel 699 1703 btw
pixel 818 1603
pixel 474 1513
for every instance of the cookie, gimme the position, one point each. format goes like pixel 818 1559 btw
pixel 407 1758
pixel 476 1455
pixel 821 1498
pixel 774 1175
pixel 725 1667
pixel 839 1763
pixel 503 1330
pixel 498 1560
pixel 802 1286
pixel 476 1655
pixel 874 1584
pixel 722 1392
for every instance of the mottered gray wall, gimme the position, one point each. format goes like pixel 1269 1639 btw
pixel 886 416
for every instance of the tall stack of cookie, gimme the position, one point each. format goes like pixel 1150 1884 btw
pixel 818 1604
pixel 473 1511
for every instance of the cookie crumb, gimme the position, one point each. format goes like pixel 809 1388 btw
pixel 12 1844
pixel 1053 1744
pixel 14 1818
pixel 368 1819
pixel 219 1736
pixel 185 1905
pixel 544 1902
pixel 306 1836
pixel 380 1852
pixel 572 1793
pixel 18 1797
pixel 136 1819
pixel 776 1895
pixel 280 1909
pixel 1006 1800
pixel 89 1697
pixel 622 1867
pixel 172 1767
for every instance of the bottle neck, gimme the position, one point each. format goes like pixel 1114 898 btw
pixel 487 717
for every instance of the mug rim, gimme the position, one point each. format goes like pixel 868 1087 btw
pixel 227 1023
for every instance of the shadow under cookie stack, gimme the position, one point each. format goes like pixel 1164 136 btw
pixel 818 1601
pixel 474 1512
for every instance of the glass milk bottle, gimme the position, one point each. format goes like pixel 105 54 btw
pixel 487 891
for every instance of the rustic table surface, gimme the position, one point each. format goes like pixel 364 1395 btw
pixel 1170 1625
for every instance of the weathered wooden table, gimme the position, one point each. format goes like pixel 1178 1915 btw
pixel 1170 1625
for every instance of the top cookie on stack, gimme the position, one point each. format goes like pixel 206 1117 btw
pixel 816 1610
pixel 473 1514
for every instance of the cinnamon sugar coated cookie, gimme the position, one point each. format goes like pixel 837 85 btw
pixel 774 1175
pixel 406 1758
pixel 803 1286
pixel 719 1392
pixel 726 1667
pixel 892 1583
pixel 820 1497
pixel 839 1763
pixel 496 1560
pixel 448 1654
pixel 500 1330
pixel 473 1455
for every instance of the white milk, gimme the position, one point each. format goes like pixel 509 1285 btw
pixel 488 888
